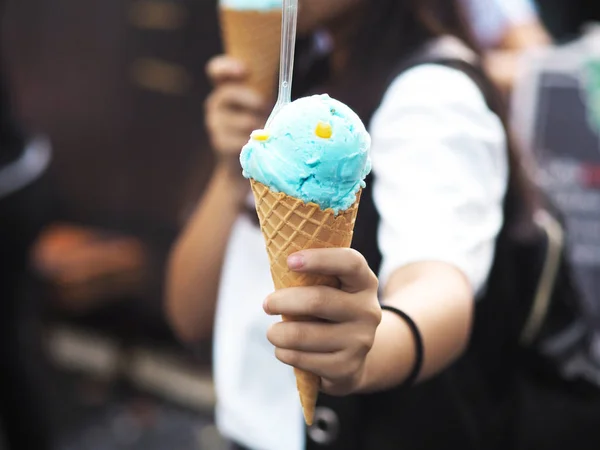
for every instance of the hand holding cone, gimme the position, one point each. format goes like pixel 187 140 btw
pixel 288 226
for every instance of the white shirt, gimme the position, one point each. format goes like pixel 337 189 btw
pixel 440 161
pixel 490 19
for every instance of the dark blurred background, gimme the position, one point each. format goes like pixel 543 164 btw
pixel 118 87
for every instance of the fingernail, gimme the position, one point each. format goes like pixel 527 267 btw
pixel 296 261
pixel 266 306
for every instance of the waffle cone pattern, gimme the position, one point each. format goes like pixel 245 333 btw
pixel 255 38
pixel 288 226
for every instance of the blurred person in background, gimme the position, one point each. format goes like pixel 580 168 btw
pixel 441 223
pixel 24 210
pixel 505 29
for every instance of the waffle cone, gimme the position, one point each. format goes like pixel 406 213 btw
pixel 288 226
pixel 254 37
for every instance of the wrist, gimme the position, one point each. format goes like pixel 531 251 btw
pixel 392 357
pixel 229 168
pixel 417 337
pixel 229 181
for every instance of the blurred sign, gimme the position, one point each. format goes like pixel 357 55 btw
pixel 557 115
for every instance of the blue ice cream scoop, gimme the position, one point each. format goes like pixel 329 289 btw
pixel 315 149
pixel 254 5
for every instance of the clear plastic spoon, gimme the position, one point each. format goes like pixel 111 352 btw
pixel 288 48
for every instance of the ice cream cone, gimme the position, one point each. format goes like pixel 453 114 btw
pixel 254 37
pixel 288 226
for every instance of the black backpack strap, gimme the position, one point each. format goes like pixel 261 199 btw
pixel 544 302
pixel 445 51
pixel 451 52
pixel 544 251
pixel 445 48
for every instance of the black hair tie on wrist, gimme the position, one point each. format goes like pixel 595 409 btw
pixel 419 349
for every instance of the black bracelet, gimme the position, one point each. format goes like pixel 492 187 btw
pixel 419 349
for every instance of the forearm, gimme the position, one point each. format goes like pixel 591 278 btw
pixel 196 260
pixel 502 63
pixel 439 299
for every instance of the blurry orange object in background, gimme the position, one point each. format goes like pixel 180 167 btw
pixel 85 266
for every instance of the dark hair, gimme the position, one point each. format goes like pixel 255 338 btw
pixel 389 32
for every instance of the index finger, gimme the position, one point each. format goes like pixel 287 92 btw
pixel 224 68
pixel 243 98
pixel 349 266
